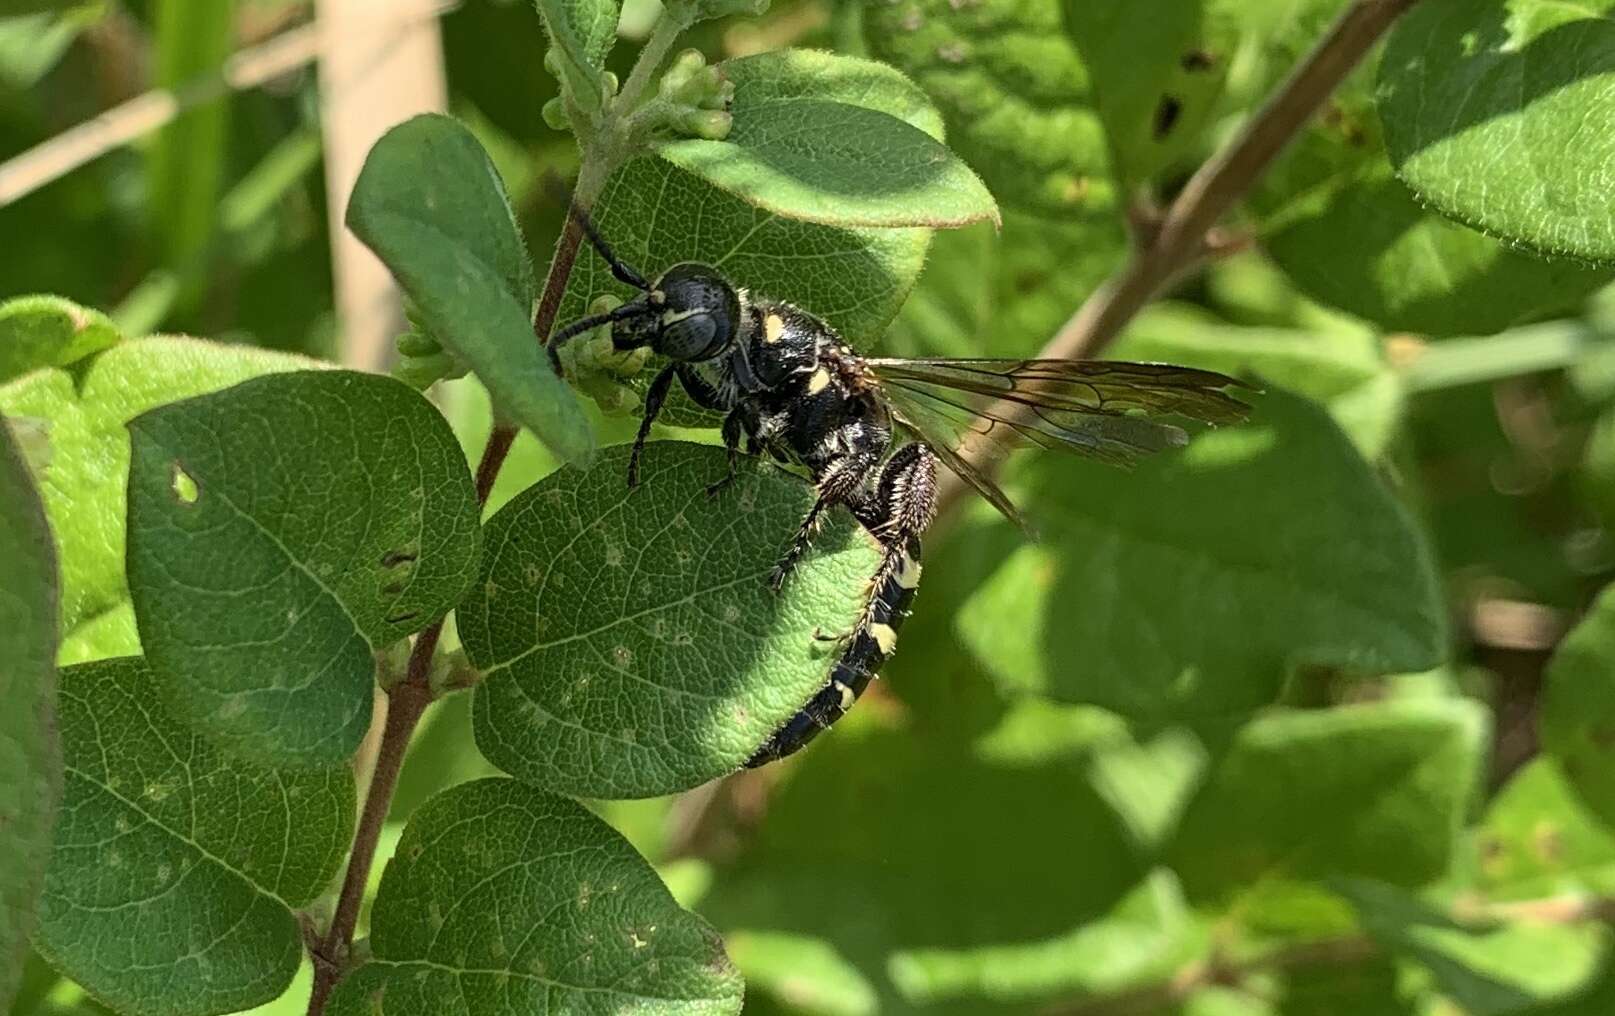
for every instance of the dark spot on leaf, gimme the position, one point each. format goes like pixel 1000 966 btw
pixel 1029 282
pixel 1166 116
pixel 400 618
pixel 394 558
pixel 1198 60
pixel 393 589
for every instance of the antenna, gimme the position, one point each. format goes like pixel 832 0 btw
pixel 577 213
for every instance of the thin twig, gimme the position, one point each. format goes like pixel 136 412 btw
pixel 1182 239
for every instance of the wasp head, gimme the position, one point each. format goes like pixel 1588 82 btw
pixel 690 313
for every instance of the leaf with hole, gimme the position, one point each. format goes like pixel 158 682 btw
pixel 841 155
pixel 431 206
pixel 82 408
pixel 280 533
pixel 503 899
pixel 1295 555
pixel 1020 108
pixel 1500 115
pixel 30 762
pixel 630 641
pixel 1376 791
pixel 1157 70
pixel 201 857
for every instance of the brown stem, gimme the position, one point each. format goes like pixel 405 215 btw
pixel 1181 241
pixel 407 700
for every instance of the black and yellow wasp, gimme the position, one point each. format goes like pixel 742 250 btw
pixel 789 386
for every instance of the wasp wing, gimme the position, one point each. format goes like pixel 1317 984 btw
pixel 1099 409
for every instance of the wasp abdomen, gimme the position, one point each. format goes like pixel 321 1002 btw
pixel 869 645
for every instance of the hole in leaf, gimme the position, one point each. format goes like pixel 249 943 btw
pixel 1166 115
pixel 1198 60
pixel 184 486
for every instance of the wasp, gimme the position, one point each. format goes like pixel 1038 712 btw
pixel 870 431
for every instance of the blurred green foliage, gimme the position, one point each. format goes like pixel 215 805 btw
pixel 1314 717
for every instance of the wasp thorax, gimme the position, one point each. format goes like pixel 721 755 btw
pixel 693 314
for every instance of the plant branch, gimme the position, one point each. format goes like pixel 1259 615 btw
pixel 407 701
pixel 1181 241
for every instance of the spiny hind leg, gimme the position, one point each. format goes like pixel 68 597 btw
pixel 842 482
pixel 903 502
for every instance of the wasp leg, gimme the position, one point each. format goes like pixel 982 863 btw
pixel 654 397
pixel 895 512
pixel 840 483
pixel 732 431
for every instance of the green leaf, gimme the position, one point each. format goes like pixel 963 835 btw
pixel 1019 106
pixel 1158 70
pixel 1143 939
pixel 951 882
pixel 175 868
pixel 582 32
pixel 1351 235
pixel 656 215
pixel 84 412
pixel 1295 555
pixel 344 510
pixel 503 899
pixel 431 206
pixel 807 973
pixel 1345 370
pixel 843 156
pixel 1578 707
pixel 30 764
pixel 1538 840
pixel 48 331
pixel 1499 114
pixel 1487 971
pixel 630 641
pixel 1376 791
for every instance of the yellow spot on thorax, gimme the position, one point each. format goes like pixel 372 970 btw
pixel 773 328
pixel 818 382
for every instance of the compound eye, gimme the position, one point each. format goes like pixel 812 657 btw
pixel 693 337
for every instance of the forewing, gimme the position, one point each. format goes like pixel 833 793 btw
pixel 1090 408
pixel 1104 387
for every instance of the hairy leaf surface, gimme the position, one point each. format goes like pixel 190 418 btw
pixel 48 331
pixel 630 641
pixel 431 206
pixel 1499 113
pixel 503 899
pixel 82 415
pixel 582 31
pixel 175 868
pixel 282 531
